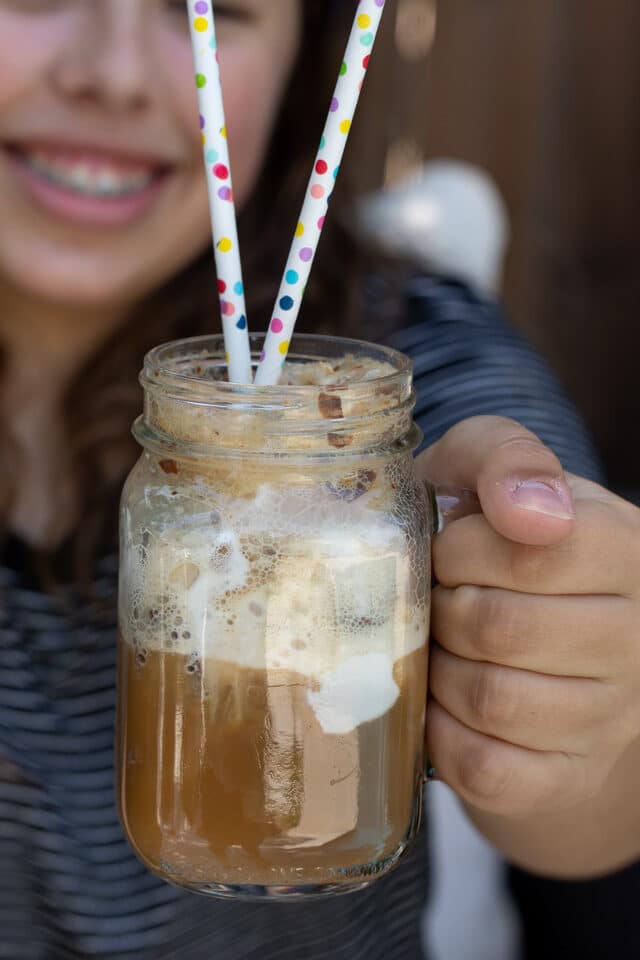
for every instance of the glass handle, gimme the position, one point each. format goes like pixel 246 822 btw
pixel 447 505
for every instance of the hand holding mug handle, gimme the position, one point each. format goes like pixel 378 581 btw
pixel 521 487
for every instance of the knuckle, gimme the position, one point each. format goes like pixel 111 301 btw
pixel 485 775
pixel 491 702
pixel 496 632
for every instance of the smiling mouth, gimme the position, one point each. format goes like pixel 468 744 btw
pixel 88 186
pixel 89 174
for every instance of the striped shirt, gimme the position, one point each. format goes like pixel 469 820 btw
pixel 70 887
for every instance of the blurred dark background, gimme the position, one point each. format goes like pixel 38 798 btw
pixel 545 96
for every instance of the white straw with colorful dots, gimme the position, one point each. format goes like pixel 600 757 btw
pixel 223 214
pixel 325 170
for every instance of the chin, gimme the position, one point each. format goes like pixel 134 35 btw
pixel 87 290
pixel 75 280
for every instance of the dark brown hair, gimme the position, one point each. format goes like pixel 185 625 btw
pixel 105 398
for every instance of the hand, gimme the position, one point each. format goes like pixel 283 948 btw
pixel 535 659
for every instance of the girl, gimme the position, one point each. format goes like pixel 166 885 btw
pixel 104 252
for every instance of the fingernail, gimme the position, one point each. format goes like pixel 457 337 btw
pixel 550 499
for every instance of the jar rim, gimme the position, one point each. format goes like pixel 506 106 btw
pixel 161 368
pixel 187 404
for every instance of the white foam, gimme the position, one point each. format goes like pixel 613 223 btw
pixel 357 691
pixel 329 585
pixel 293 510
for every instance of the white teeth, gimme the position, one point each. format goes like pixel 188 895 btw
pixel 103 181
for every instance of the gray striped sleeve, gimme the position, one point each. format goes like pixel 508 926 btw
pixel 468 362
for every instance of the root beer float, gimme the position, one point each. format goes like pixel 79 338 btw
pixel 273 612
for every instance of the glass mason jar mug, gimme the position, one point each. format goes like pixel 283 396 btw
pixel 274 607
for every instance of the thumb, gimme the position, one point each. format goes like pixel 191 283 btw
pixel 520 482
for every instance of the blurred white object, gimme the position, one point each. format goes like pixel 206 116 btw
pixel 469 915
pixel 449 218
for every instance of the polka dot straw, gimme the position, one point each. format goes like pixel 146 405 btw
pixel 325 170
pixel 223 214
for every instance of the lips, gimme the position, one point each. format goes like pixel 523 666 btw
pixel 88 185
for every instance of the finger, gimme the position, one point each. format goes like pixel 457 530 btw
pixel 560 636
pixel 600 556
pixel 521 707
pixel 520 482
pixel 499 777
